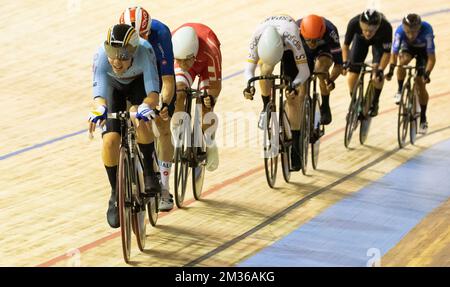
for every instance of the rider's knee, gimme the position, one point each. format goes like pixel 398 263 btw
pixel 111 140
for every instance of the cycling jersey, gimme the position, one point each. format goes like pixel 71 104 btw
pixel 161 40
pixel 208 62
pixel 424 40
pixel 143 63
pixel 329 42
pixel 382 37
pixel 288 30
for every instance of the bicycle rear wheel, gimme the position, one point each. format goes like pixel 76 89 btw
pixel 352 117
pixel 124 188
pixel 198 177
pixel 286 142
pixel 366 118
pixel 270 147
pixel 305 134
pixel 414 115
pixel 403 117
pixel 315 128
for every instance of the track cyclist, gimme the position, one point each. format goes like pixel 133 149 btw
pixel 414 38
pixel 370 28
pixel 277 39
pixel 160 38
pixel 197 52
pixel 125 69
pixel 320 39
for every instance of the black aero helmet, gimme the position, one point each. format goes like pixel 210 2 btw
pixel 412 20
pixel 121 41
pixel 370 17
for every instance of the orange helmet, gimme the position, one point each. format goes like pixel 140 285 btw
pixel 312 27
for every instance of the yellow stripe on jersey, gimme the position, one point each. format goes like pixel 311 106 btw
pixel 251 61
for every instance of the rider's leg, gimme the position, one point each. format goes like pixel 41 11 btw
pixel 379 56
pixel 212 152
pixel 266 86
pixel 357 55
pixel 421 61
pixel 322 65
pixel 165 151
pixel 404 59
pixel 110 153
pixel 145 139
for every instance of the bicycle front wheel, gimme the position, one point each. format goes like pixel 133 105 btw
pixel 352 117
pixel 181 174
pixel 271 146
pixel 315 128
pixel 305 134
pixel 366 119
pixel 414 115
pixel 285 130
pixel 140 227
pixel 125 202
pixel 403 117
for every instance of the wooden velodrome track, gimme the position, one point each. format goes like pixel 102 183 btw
pixel 53 196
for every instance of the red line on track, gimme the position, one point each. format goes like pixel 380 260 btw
pixel 211 190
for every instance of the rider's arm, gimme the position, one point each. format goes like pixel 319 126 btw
pixel 430 63
pixel 168 83
pixel 387 45
pixel 336 52
pixel 430 49
pixel 151 80
pixel 167 60
pixel 253 58
pixel 100 87
pixel 294 43
pixel 352 26
pixel 345 50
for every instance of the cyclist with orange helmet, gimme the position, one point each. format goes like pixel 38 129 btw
pixel 160 38
pixel 321 42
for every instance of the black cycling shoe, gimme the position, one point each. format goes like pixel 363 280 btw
pixel 112 215
pixel 325 115
pixel 374 110
pixel 152 185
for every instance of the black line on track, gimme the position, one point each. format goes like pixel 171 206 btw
pixel 277 216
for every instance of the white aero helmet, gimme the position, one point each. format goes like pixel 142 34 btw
pixel 270 46
pixel 185 43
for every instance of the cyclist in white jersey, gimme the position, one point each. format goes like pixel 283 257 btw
pixel 277 39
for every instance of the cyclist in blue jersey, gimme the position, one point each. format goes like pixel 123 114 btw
pixel 321 42
pixel 159 36
pixel 414 38
pixel 124 70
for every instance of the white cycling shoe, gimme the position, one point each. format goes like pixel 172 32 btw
pixel 423 128
pixel 212 158
pixel 397 97
pixel 166 201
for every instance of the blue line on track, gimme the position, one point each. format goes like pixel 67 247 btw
pixel 370 222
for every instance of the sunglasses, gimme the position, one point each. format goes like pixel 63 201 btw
pixel 120 53
pixel 312 41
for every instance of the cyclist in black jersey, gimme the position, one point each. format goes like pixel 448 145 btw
pixel 370 28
